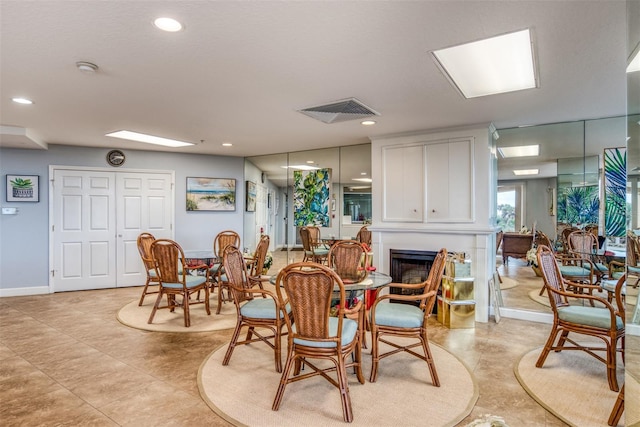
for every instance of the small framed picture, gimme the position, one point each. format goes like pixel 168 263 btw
pixel 23 188
pixel 251 196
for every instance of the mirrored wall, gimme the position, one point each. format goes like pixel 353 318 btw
pixel 328 187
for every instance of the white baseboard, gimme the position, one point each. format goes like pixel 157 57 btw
pixel 20 292
pixel 531 316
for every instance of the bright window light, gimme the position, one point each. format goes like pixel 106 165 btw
pixel 526 172
pixel 520 151
pixel 168 24
pixel 487 67
pixel 634 65
pixel 149 139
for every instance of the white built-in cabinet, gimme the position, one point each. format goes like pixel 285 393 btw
pixel 430 181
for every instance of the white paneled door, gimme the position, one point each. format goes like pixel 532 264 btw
pixel 96 218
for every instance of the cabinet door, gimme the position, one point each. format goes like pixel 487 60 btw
pixel 403 183
pixel 450 181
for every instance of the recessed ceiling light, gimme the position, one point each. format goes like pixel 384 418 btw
pixel 486 67
pixel 227 144
pixel 21 100
pixel 168 24
pixel 149 139
pixel 362 179
pixel 368 122
pixel 526 172
pixel 520 151
pixel 87 67
pixel 363 173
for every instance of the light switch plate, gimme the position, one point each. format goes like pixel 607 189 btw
pixel 9 211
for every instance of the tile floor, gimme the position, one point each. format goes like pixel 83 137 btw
pixel 65 360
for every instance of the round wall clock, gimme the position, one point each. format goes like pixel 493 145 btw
pixel 115 158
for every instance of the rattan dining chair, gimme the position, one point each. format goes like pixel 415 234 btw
pixel 606 322
pixel 252 313
pixel 144 242
pixel 313 250
pixel 218 280
pixel 406 320
pixel 172 269
pixel 256 263
pixel 364 236
pixel 308 288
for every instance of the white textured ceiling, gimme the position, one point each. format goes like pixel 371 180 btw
pixel 239 70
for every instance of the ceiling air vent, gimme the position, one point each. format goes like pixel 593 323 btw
pixel 340 111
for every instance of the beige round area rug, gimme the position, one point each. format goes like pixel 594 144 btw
pixel 136 316
pixel 243 391
pixel 571 385
pixel 508 283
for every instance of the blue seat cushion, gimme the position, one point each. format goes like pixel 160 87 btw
pixel 601 267
pixel 153 273
pixel 574 270
pixel 261 308
pixel 617 274
pixel 633 269
pixel 190 281
pixel 591 316
pixel 349 329
pixel 399 315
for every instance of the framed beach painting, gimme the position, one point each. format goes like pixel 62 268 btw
pixel 251 196
pixel 23 188
pixel 211 194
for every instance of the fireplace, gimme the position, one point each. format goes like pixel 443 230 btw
pixel 410 266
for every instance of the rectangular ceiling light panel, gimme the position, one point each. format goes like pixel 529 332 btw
pixel 520 151
pixel 149 139
pixel 495 65
pixel 520 172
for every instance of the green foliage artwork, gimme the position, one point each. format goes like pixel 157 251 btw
pixel 615 186
pixel 507 217
pixel 578 205
pixel 311 197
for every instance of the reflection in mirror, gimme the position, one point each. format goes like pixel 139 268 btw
pixel 551 177
pixel 349 197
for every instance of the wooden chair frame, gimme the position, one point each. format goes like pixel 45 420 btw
pixel 310 245
pixel 427 300
pixel 167 257
pixel 222 240
pixel 243 288
pixel 144 242
pixel 559 337
pixel 309 288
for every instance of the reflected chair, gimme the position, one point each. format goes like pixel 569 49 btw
pixel 499 236
pixel 309 289
pixel 256 263
pixel 617 268
pixel 313 251
pixel 606 323
pixel 406 320
pixel 144 242
pixel 260 313
pixel 364 236
pixel 618 409
pixel 584 244
pixel 222 240
pixel 172 269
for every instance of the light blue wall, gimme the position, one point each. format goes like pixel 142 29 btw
pixel 24 238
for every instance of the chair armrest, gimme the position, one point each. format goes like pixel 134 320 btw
pixel 606 303
pixel 411 298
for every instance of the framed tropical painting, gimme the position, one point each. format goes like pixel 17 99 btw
pixel 615 191
pixel 211 194
pixel 311 197
pixel 23 188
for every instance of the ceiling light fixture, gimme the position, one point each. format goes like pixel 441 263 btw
pixel 168 24
pixel 362 179
pixel 520 151
pixel 520 172
pixel 634 63
pixel 301 167
pixel 87 67
pixel 227 144
pixel 149 139
pixel 368 122
pixel 495 65
pixel 21 100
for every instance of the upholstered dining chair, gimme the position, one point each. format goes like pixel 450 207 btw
pixel 144 242
pixel 256 263
pixel 252 313
pixel 313 333
pixel 364 236
pixel 406 320
pixel 583 244
pixel 630 266
pixel 606 322
pixel 313 251
pixel 222 240
pixel 172 269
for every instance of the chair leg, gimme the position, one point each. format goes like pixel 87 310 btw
pixel 347 413
pixel 617 410
pixel 283 381
pixel 155 306
pixel 144 292
pixel 232 343
pixel 374 355
pixel 611 364
pixel 429 358
pixel 185 309
pixel 547 347
pixel 206 300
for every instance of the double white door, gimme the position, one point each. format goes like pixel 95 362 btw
pixel 96 219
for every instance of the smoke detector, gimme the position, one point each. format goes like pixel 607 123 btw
pixel 86 67
pixel 339 111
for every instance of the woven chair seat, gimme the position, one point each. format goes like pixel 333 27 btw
pixel 399 315
pixel 190 282
pixel 349 329
pixel 574 270
pixel 591 316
